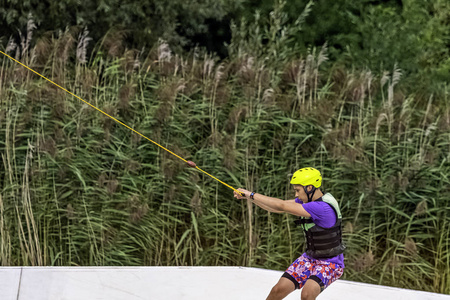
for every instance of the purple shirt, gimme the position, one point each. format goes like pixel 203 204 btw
pixel 323 215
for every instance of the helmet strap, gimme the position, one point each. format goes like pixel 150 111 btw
pixel 309 194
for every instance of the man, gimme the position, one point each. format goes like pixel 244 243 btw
pixel 320 219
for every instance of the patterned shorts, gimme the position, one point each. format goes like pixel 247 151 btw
pixel 323 272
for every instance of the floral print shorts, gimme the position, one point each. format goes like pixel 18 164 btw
pixel 323 272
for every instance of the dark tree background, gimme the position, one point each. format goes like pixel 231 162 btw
pixel 367 33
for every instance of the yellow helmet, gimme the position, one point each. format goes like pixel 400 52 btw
pixel 307 176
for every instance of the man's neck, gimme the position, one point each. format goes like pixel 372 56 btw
pixel 318 194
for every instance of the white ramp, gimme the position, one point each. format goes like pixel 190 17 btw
pixel 9 282
pixel 200 283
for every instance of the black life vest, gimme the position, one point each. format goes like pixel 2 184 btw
pixel 323 242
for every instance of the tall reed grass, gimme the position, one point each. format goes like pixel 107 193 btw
pixel 77 189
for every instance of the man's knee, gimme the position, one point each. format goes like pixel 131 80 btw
pixel 283 288
pixel 307 295
pixel 278 289
pixel 311 290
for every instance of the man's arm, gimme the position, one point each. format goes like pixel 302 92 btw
pixel 275 204
pixel 267 208
pixel 288 206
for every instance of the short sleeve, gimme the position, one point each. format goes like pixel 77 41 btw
pixel 321 213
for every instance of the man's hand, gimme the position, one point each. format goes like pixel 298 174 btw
pixel 239 196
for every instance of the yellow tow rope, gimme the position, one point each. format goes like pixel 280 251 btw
pixel 190 163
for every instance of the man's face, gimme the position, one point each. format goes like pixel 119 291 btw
pixel 300 193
